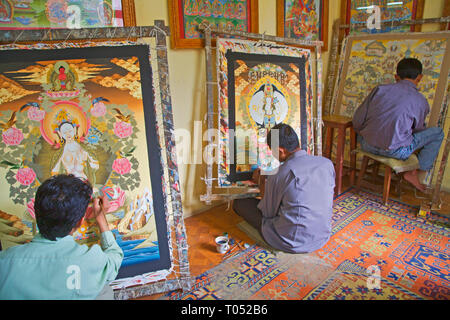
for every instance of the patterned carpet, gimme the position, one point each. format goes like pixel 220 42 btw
pixel 375 252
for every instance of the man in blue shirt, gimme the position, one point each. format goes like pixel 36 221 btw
pixel 391 121
pixel 53 265
pixel 294 214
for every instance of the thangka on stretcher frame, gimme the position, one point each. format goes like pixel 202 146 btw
pixel 260 85
pixel 87 110
pixel 370 60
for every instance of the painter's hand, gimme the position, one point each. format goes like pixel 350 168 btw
pixel 256 175
pixel 100 207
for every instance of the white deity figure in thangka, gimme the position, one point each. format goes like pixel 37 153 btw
pixel 268 106
pixel 72 157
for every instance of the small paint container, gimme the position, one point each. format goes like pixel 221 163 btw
pixel 222 244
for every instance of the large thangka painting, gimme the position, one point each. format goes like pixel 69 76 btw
pixel 260 85
pixel 87 111
pixel 371 60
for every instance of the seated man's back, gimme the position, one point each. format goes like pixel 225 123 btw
pixel 54 266
pixel 396 110
pixel 61 269
pixel 298 204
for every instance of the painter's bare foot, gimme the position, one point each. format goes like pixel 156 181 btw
pixel 413 178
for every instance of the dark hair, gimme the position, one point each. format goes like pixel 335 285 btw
pixel 60 203
pixel 409 68
pixel 288 138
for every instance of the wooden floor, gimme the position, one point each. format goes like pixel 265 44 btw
pixel 203 228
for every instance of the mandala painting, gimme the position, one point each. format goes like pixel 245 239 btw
pixel 86 111
pixel 259 87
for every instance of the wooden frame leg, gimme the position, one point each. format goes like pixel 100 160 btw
pixel 375 168
pixel 387 184
pixel 352 156
pixel 328 142
pixel 340 159
pixel 399 185
pixel 365 160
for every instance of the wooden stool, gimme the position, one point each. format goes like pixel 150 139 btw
pixel 390 164
pixel 340 123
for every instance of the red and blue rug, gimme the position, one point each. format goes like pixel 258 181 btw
pixel 375 252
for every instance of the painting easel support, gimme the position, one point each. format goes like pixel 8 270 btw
pixel 208 30
pixel 15 36
pixel 175 221
pixel 435 199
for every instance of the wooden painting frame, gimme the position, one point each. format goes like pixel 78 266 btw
pixel 178 41
pixel 446 13
pixel 323 23
pixel 418 14
pixel 127 11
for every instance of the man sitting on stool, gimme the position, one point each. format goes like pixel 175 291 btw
pixel 391 121
pixel 294 214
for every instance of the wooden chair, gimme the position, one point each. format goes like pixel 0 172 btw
pixel 398 166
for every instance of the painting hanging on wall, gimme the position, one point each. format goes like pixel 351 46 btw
pixel 306 20
pixel 87 110
pixel 186 15
pixel 260 85
pixel 370 60
pixel 32 14
pixel 355 11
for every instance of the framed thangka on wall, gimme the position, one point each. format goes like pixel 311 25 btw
pixel 370 60
pixel 87 110
pixel 260 85
pixel 186 15
pixel 355 11
pixel 306 20
pixel 32 14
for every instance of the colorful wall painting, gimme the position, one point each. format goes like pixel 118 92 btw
pixel 30 14
pixel 303 19
pixel 88 111
pixel 355 11
pixel 260 85
pixel 371 60
pixel 187 15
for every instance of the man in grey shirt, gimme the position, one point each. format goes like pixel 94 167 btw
pixel 391 121
pixel 294 214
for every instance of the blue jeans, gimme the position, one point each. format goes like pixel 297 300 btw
pixel 428 140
